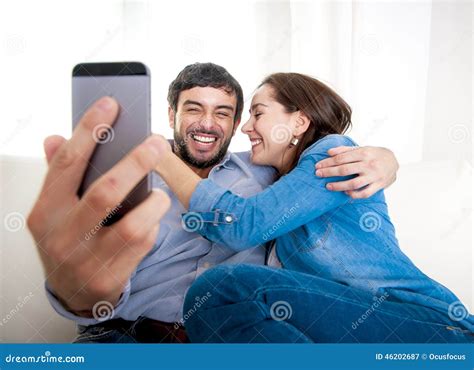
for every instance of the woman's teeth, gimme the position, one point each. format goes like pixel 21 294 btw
pixel 255 142
pixel 204 139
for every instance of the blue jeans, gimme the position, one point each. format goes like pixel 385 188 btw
pixel 249 304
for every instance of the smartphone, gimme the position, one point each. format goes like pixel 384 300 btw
pixel 129 84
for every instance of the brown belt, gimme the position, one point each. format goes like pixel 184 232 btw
pixel 146 330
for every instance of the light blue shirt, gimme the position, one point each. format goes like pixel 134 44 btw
pixel 157 288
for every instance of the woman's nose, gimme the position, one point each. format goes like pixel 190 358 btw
pixel 247 127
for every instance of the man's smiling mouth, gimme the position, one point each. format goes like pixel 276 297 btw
pixel 201 138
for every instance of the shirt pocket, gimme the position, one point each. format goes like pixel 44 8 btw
pixel 315 235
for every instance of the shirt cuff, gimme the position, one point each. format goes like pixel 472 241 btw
pixel 205 196
pixel 61 310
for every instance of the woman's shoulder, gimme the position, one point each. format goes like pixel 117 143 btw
pixel 327 142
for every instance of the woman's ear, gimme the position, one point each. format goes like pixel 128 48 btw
pixel 302 123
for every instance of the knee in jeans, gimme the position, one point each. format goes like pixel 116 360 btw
pixel 206 285
pixel 216 285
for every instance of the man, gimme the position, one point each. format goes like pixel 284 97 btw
pixel 127 282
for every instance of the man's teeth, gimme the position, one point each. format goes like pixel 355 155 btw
pixel 255 142
pixel 204 139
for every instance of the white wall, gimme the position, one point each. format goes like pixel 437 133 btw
pixel 449 92
pixel 25 314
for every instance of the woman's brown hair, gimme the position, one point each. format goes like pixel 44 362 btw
pixel 327 111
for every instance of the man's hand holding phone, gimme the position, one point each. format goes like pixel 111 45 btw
pixel 86 262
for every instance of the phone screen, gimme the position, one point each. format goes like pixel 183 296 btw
pixel 129 84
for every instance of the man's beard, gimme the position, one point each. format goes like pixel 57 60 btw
pixel 181 149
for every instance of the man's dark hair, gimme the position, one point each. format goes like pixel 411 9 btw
pixel 206 75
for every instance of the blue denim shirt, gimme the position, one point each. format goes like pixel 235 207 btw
pixel 333 236
pixel 157 288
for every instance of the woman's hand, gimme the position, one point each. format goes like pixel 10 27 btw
pixel 376 169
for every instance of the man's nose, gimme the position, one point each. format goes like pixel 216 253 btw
pixel 207 122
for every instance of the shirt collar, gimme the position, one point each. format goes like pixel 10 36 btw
pixel 226 161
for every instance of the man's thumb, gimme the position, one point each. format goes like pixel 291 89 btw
pixel 51 144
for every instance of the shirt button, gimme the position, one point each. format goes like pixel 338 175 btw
pixel 228 219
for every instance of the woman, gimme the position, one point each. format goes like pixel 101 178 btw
pixel 344 277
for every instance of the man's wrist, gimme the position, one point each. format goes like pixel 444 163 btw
pixel 87 313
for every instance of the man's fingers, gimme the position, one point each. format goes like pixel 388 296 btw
pixel 126 261
pixel 342 170
pixel 348 185
pixel 350 156
pixel 136 233
pixel 71 159
pixel 340 149
pixel 112 187
pixel 364 193
pixel 51 145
